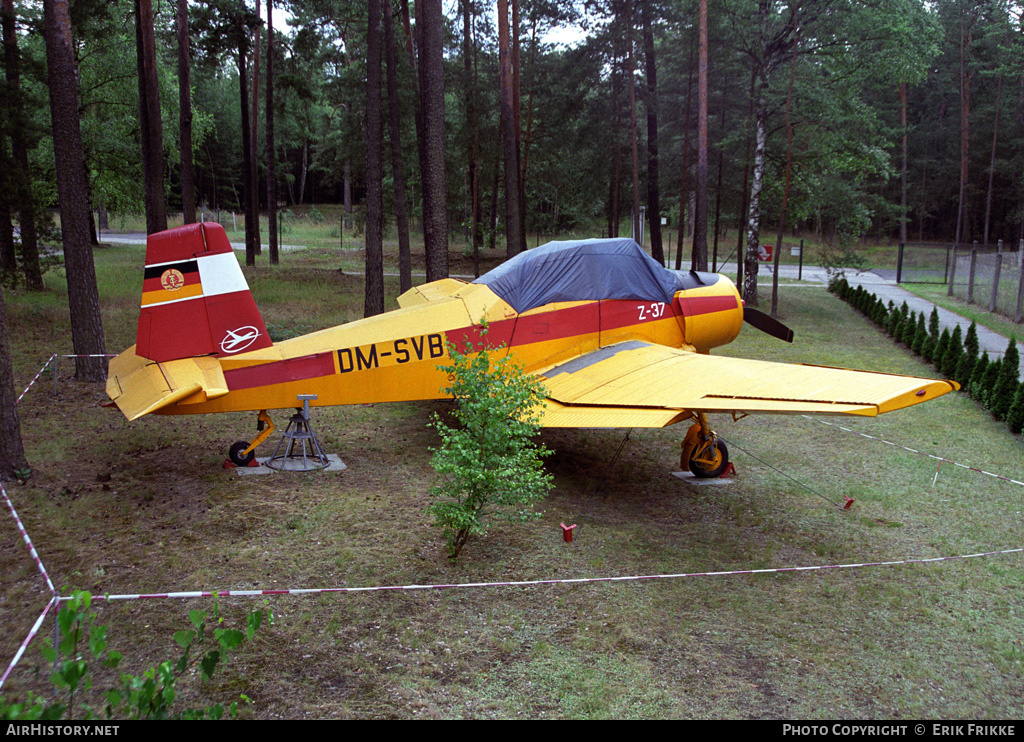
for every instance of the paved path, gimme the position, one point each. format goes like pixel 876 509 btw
pixel 139 238
pixel 885 288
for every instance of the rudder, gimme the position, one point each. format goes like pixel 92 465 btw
pixel 195 300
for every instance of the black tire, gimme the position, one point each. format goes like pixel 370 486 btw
pixel 235 454
pixel 703 473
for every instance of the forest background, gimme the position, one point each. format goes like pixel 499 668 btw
pixel 892 119
pixel 849 119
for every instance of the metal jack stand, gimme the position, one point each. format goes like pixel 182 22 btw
pixel 299 431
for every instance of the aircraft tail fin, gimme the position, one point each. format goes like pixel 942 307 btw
pixel 195 300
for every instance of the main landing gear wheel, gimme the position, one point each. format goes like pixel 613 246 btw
pixel 703 453
pixel 709 462
pixel 235 454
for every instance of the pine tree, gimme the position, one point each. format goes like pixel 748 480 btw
pixel 987 383
pixel 1015 415
pixel 969 358
pixel 940 348
pixel 909 330
pixel 920 336
pixel 933 325
pixel 893 328
pixel 1007 383
pixel 954 351
pixel 975 385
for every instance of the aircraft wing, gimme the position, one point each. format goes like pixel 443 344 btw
pixel 637 384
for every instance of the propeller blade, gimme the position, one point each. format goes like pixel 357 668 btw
pixel 767 323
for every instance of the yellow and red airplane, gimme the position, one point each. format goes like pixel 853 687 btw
pixel 618 340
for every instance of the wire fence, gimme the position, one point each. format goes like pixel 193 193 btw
pixel 991 278
pixel 923 262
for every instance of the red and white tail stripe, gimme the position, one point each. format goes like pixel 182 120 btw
pixel 195 300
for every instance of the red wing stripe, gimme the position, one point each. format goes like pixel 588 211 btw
pixel 279 372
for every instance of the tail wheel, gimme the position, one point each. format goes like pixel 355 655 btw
pixel 236 456
pixel 709 461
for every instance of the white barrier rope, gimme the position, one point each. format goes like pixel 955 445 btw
pixel 28 639
pixel 36 377
pixel 919 453
pixel 531 583
pixel 28 541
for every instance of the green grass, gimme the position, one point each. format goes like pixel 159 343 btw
pixel 923 641
pixel 937 295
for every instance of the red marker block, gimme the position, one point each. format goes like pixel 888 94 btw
pixel 849 502
pixel 567 532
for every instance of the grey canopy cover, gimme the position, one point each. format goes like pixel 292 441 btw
pixel 580 270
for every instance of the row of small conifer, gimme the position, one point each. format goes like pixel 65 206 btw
pixel 995 384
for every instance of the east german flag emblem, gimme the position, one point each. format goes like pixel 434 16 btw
pixel 171 282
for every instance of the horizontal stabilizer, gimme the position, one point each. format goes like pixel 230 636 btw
pixel 140 386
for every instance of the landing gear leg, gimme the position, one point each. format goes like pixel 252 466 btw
pixel 243 452
pixel 703 453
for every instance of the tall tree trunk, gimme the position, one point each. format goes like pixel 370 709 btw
pixel 517 108
pixel 271 154
pixel 150 123
pixel 492 221
pixel 785 192
pixel 12 453
pixel 374 301
pixel 756 184
pixel 903 168
pixel 248 187
pixel 254 136
pixel 304 168
pixel 188 188
pixel 740 228
pixel 8 258
pixel 25 199
pixel 653 187
pixel 965 138
pixel 397 166
pixel 347 190
pixel 472 170
pixel 431 25
pixel 992 159
pixel 73 194
pixel 514 236
pixel 699 253
pixel 635 218
pixel 528 135
pixel 686 170
pixel 410 47
pixel 435 209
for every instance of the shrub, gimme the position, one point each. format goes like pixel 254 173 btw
pixel 954 351
pixel 987 383
pixel 1007 382
pixel 940 348
pixel 489 466
pixel 969 358
pixel 1015 415
pixel 975 386
pixel 920 336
